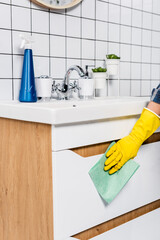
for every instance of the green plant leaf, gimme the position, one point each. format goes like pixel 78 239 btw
pixel 99 69
pixel 112 56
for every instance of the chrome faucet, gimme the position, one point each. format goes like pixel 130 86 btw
pixel 66 86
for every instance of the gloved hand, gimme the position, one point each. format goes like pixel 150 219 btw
pixel 127 147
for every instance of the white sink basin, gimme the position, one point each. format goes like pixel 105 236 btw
pixel 72 111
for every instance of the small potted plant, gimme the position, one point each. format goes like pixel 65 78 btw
pixel 100 75
pixel 112 63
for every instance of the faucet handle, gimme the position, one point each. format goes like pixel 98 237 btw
pixel 74 86
pixel 55 86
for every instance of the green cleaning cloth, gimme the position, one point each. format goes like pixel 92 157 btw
pixel 108 186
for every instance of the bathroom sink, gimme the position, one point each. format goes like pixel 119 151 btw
pixel 72 111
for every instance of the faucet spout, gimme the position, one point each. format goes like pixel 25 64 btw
pixel 76 68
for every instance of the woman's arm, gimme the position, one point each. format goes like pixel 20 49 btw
pixel 154 107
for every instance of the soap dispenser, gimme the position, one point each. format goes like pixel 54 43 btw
pixel 27 89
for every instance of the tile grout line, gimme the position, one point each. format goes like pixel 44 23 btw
pixel 81 29
pixel 141 51
pixel 131 50
pixel 119 84
pixel 66 41
pixel 12 50
pixel 49 42
pixel 108 47
pixel 95 32
pixel 151 49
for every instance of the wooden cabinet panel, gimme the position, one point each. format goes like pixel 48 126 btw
pixel 100 148
pixel 25 181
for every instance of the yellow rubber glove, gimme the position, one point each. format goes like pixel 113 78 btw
pixel 127 147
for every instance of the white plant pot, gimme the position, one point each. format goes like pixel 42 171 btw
pixel 100 84
pixel 100 79
pixel 112 66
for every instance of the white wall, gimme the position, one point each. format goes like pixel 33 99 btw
pixel 83 35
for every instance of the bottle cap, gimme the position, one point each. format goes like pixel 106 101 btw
pixel 26 41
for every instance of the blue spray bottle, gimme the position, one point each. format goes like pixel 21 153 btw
pixel 27 90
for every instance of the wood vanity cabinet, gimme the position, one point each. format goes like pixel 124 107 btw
pixel 27 176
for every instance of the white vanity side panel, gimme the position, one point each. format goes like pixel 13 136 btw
pixel 145 227
pixel 78 206
pixel 77 135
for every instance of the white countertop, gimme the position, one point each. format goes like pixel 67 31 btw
pixel 73 111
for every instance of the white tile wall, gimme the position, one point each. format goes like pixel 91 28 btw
pixel 155 55
pixel 5 41
pixel 57 67
pixel 113 88
pixel 126 16
pixel 38 62
pixel 147 5
pixel 145 88
pixel 5 66
pixel 125 86
pixel 73 48
pixel 88 28
pixel 57 46
pixel 21 18
pixel 114 31
pixel 136 36
pixel 156 39
pixel 156 6
pixel 7 85
pixel 102 31
pixel 102 11
pixel 88 49
pixel 73 26
pixel 114 13
pixel 40 17
pixel 101 49
pixel 127 3
pixel 136 53
pixel 137 4
pixel 126 52
pixel 125 34
pixel 83 35
pixel 57 24
pixel 146 37
pixel 88 4
pixel 146 54
pixel 125 70
pixel 147 20
pixel 135 88
pixel 155 72
pixel 5 14
pixel 41 45
pixel 17 66
pixel 136 18
pixel 25 3
pixel 135 71
pixel 146 71
pixel 114 47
